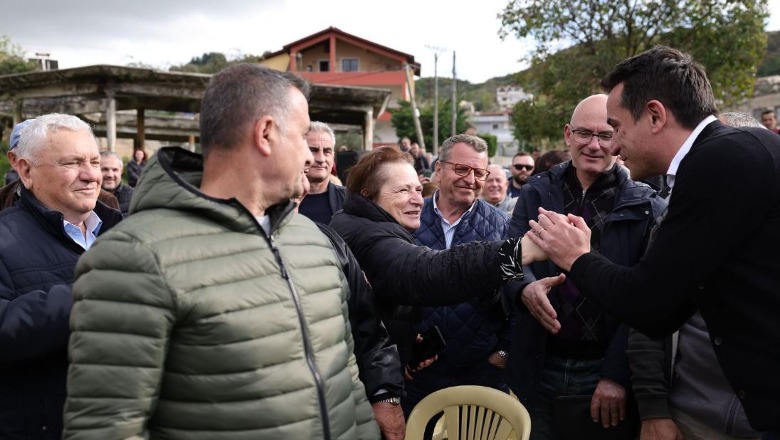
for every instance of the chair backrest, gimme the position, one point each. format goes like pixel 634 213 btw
pixel 471 412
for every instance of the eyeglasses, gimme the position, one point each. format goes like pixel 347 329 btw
pixel 464 170
pixel 584 136
pixel 519 167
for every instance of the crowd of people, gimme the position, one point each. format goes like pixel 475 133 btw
pixel 244 293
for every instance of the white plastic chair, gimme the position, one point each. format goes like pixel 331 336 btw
pixel 471 412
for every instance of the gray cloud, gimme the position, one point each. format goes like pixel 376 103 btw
pixel 90 23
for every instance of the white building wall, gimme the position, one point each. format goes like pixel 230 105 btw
pixel 508 96
pixel 497 124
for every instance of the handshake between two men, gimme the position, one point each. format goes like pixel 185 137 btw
pixel 562 239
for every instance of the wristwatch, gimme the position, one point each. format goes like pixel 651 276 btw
pixel 504 355
pixel 395 401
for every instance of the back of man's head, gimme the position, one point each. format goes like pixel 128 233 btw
pixel 739 119
pixel 669 76
pixel 34 135
pixel 237 96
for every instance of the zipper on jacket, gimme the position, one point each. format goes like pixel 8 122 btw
pixel 307 347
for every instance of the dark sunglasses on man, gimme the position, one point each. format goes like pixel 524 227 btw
pixel 519 167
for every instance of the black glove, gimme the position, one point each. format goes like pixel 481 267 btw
pixel 510 260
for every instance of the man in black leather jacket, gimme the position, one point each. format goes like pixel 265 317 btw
pixel 378 361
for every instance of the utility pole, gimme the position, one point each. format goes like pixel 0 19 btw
pixel 415 112
pixel 454 96
pixel 436 51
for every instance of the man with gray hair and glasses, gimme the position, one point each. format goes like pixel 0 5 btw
pixel 476 332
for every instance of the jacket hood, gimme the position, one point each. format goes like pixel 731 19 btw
pixel 172 180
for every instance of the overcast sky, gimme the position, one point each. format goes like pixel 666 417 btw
pixel 162 33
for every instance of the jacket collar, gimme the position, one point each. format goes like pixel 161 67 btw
pixel 52 221
pixel 360 206
pixel 172 181
pixel 629 191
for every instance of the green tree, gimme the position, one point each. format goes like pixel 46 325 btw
pixel 492 142
pixel 537 120
pixel 403 122
pixel 726 36
pixel 483 96
pixel 211 62
pixel 771 62
pixel 12 58
pixel 4 164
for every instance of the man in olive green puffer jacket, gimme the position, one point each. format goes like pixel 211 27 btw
pixel 213 313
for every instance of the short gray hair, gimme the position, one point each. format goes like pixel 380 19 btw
pixel 477 143
pixel 321 127
pixel 33 137
pixel 737 119
pixel 113 154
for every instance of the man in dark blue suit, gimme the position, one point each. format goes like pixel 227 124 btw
pixel 717 248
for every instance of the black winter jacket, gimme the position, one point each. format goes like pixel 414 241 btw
pixel 377 357
pixel 402 273
pixel 37 262
pixel 123 194
pixel 623 240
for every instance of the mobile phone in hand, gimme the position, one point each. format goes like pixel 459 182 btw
pixel 432 344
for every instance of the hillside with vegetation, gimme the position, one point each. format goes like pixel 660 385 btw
pixel 770 65
pixel 483 95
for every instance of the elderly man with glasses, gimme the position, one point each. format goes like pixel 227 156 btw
pixel 585 354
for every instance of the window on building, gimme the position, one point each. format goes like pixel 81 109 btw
pixel 349 65
pixel 495 126
pixel 324 66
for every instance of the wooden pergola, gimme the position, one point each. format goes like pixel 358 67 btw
pixel 115 100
